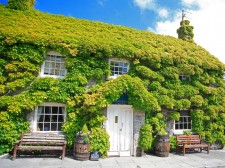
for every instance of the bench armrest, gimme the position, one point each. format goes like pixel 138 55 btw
pixel 17 142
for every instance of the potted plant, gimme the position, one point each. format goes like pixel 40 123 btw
pixel 82 144
pixel 162 144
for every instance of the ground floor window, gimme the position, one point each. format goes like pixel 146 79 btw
pixel 184 123
pixel 50 117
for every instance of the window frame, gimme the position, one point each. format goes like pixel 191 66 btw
pixel 48 104
pixel 55 54
pixel 114 76
pixel 183 77
pixel 188 121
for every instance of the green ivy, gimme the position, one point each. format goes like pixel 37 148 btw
pixel 152 83
pixel 146 138
pixel 99 140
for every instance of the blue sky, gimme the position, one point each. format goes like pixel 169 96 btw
pixel 158 16
pixel 119 12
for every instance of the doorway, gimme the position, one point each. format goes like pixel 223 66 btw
pixel 120 129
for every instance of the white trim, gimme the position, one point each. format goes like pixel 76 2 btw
pixel 47 104
pixel 51 53
pixel 117 60
pixel 180 131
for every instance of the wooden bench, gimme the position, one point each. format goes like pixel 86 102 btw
pixel 40 142
pixel 190 142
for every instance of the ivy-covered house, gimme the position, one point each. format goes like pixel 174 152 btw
pixel 58 73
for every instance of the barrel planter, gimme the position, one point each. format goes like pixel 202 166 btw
pixel 162 145
pixel 81 149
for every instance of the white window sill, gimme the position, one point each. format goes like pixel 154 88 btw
pixel 179 132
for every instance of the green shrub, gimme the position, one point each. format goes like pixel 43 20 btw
pixel 99 140
pixel 21 4
pixel 173 144
pixel 12 125
pixel 186 132
pixel 146 138
pixel 175 116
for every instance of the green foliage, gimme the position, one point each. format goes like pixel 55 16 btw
pixel 99 140
pixel 71 128
pixel 197 117
pixel 173 144
pixel 185 31
pixel 175 116
pixel 157 121
pixel 186 132
pixel 146 137
pixel 12 125
pixel 152 83
pixel 197 100
pixel 21 4
pixel 85 129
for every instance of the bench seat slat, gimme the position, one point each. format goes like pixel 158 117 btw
pixel 39 148
pixel 42 140
pixel 42 143
pixel 39 137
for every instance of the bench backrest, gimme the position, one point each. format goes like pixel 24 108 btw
pixel 188 139
pixel 43 138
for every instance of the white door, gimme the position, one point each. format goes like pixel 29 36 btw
pixel 120 129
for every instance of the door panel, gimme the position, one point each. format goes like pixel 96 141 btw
pixel 120 129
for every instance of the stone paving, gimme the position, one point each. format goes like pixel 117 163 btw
pixel 215 159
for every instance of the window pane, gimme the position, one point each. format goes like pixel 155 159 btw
pixel 47 118
pixel 46 126
pixel 126 65
pixel 185 125
pixel 121 64
pixel 40 127
pixel 59 126
pixel 54 127
pixel 40 118
pixel 62 73
pixel 116 64
pixel 48 58
pixel 54 110
pixel 60 118
pixel 51 72
pixel 47 110
pixel 57 72
pixel 46 71
pixel 54 118
pixel 47 64
pixel 62 66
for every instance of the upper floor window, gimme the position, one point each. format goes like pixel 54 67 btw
pixel 184 123
pixel 182 77
pixel 50 117
pixel 54 65
pixel 118 67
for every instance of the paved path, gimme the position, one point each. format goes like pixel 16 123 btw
pixel 215 159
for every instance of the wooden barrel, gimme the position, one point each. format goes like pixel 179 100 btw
pixel 162 145
pixel 81 149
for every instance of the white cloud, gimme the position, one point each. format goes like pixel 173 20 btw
pixel 151 5
pixel 163 13
pixel 208 22
pixel 101 2
pixel 145 4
